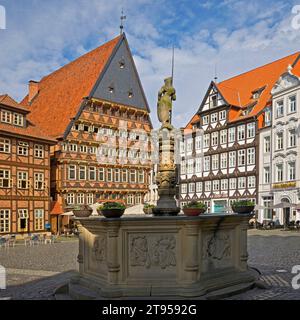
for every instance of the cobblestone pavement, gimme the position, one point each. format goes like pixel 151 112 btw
pixel 35 272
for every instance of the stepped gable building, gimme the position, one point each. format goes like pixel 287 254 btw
pixel 24 171
pixel 220 161
pixel 279 171
pixel 96 108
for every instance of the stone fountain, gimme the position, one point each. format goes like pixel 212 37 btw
pixel 165 255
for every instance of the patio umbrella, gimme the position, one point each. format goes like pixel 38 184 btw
pixel 70 213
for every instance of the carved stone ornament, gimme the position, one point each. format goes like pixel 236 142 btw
pixel 99 248
pixel 217 247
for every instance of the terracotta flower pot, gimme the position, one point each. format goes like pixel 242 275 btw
pixel 243 209
pixel 112 213
pixel 193 212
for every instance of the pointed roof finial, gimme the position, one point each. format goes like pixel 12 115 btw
pixel 122 21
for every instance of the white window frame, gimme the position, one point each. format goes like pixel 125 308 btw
pixel 5 176
pixel 39 151
pixel 39 219
pixel 5 145
pixel 23 178
pixel 39 181
pixel 5 220
pixel 23 148
pixel 72 169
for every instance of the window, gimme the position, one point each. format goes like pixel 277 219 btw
pixel 214 101
pixel 189 145
pixel 5 116
pixel 101 174
pixel 279 172
pixel 198 165
pixel 251 130
pixel 206 141
pixel 214 138
pixel 73 147
pixel 141 176
pixel 190 166
pixel 133 176
pixel 232 183
pixel 92 173
pixel 223 160
pixel 207 186
pixel 213 117
pixel 241 132
pixel 4 145
pixel 267 117
pixel 23 182
pixel 5 181
pixel 80 198
pixel 83 149
pixel 267 201
pixel 38 219
pixel 231 137
pixel 279 109
pixel 242 182
pixel 251 182
pixel 251 156
pixel 38 151
pixel 292 104
pixel 267 144
pixel 292 138
pixel 232 159
pixel 215 162
pixel 39 181
pixel 72 172
pixel 292 171
pixel 23 219
pixel 183 167
pixel 205 120
pixel 207 163
pixel 182 147
pixel 4 220
pixel 222 115
pixel 90 198
pixel 198 186
pixel 18 119
pixel 82 173
pixel 198 143
pixel 109 175
pixel 184 188
pixel 266 175
pixel 216 185
pixel 130 199
pixel 224 184
pixel 117 175
pixel 23 148
pixel 241 157
pixel 192 188
pixel 223 137
pixel 70 198
pixel 279 141
pixel 124 175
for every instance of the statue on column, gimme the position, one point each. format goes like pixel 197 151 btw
pixel 166 96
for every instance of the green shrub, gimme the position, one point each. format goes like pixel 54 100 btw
pixel 196 205
pixel 148 206
pixel 243 203
pixel 111 205
pixel 81 207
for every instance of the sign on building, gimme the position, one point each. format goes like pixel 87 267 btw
pixel 2 278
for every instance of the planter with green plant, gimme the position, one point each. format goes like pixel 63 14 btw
pixel 194 208
pixel 111 209
pixel 148 208
pixel 82 211
pixel 243 206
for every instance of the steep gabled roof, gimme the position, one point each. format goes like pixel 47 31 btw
pixel 238 91
pixel 61 93
pixel 8 101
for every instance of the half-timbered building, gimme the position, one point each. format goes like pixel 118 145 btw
pixel 24 171
pixel 220 153
pixel 96 109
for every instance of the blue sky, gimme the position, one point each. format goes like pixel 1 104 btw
pixel 231 36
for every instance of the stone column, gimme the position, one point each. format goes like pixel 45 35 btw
pixel 191 250
pixel 243 245
pixel 113 251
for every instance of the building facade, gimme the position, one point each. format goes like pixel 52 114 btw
pixel 24 171
pixel 97 110
pixel 280 151
pixel 220 154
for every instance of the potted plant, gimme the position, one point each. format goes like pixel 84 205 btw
pixel 194 208
pixel 243 206
pixel 111 209
pixel 148 208
pixel 82 211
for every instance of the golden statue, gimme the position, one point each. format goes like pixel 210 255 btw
pixel 166 96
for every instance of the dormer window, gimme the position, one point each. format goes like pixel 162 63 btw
pixel 18 119
pixel 6 116
pixel 257 93
pixel 122 64
pixel 214 100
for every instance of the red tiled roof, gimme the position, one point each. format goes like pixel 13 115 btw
pixel 8 101
pixel 237 91
pixel 56 208
pixel 61 93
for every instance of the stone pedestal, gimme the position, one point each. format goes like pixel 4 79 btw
pixel 161 256
pixel 166 177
